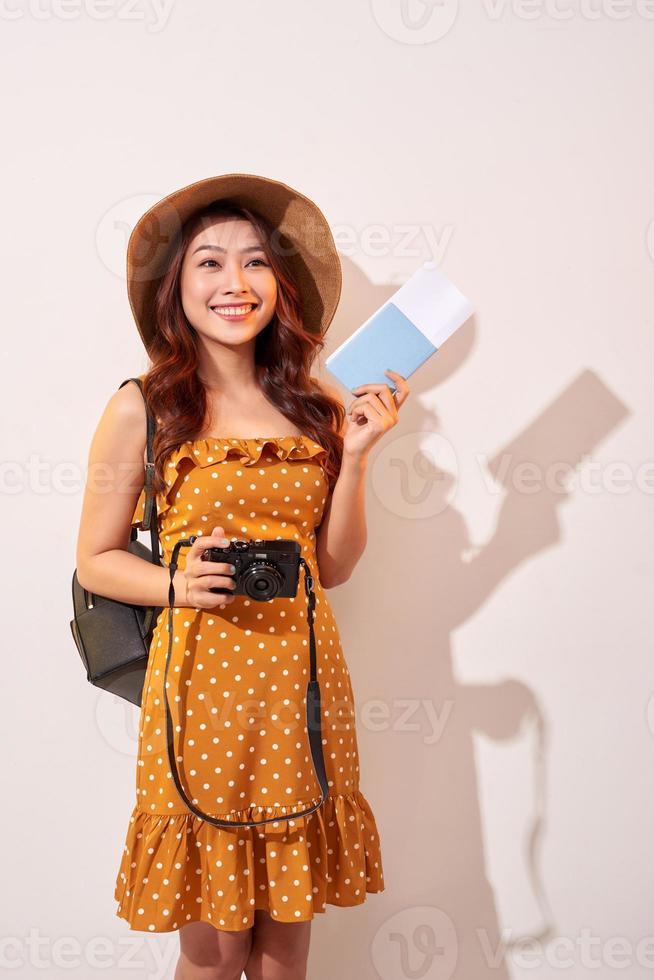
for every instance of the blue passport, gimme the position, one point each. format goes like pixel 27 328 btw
pixel 404 332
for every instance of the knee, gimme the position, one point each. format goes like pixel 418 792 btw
pixel 279 949
pixel 239 958
pixel 209 954
pixel 228 966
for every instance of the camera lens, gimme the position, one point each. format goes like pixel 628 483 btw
pixel 262 581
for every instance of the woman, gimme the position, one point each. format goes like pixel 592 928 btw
pixel 233 282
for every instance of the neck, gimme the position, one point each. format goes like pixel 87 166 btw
pixel 232 372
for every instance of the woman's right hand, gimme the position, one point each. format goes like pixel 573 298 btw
pixel 203 575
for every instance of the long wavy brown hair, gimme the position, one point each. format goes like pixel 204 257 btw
pixel 284 353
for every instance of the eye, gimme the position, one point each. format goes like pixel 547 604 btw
pixel 249 263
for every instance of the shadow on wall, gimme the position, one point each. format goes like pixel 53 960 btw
pixel 414 585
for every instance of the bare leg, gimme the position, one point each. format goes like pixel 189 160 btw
pixel 280 950
pixel 207 953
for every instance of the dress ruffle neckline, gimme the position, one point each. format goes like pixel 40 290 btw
pixel 330 856
pixel 214 449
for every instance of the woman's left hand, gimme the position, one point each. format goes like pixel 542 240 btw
pixel 372 413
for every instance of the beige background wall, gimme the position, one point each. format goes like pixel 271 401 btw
pixel 499 640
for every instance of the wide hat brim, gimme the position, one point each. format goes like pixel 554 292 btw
pixel 302 233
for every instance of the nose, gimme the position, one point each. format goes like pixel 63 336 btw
pixel 234 280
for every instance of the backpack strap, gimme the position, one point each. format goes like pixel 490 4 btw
pixel 150 521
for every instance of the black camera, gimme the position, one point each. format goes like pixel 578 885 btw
pixel 264 569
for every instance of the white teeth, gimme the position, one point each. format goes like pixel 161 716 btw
pixel 233 310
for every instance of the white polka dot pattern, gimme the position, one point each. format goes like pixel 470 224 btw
pixel 237 690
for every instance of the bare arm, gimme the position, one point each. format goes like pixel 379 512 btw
pixel 114 482
pixel 342 536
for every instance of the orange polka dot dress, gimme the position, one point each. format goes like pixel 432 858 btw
pixel 237 684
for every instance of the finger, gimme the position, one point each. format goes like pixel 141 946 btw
pixel 207 582
pixel 388 398
pixel 216 539
pixel 384 393
pixel 209 567
pixel 205 598
pixel 368 411
pixel 371 401
pixel 371 398
pixel 401 392
pixel 219 533
pixel 371 387
pixel 402 389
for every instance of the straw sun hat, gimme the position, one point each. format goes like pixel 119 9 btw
pixel 302 235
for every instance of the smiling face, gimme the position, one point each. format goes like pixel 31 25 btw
pixel 228 288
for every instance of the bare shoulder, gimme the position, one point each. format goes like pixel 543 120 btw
pixel 127 403
pixel 115 476
pixel 123 424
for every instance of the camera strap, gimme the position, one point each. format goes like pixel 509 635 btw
pixel 313 709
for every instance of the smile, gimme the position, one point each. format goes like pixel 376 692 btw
pixel 234 312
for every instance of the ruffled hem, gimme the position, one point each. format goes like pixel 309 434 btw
pixel 206 452
pixel 177 868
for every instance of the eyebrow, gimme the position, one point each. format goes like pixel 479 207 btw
pixel 219 248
